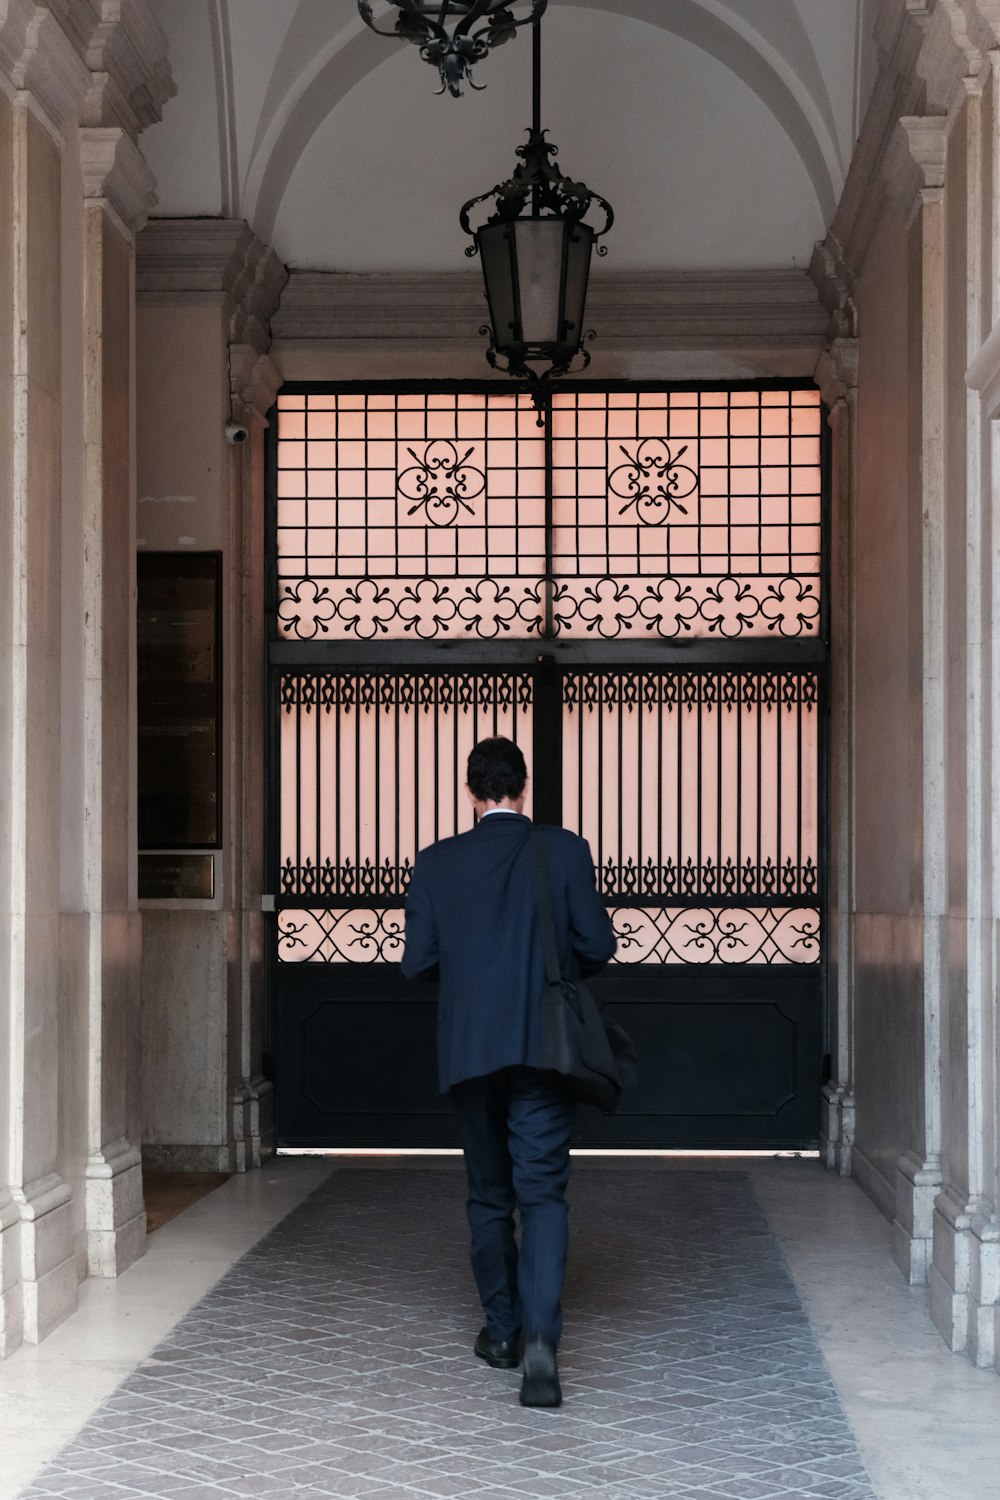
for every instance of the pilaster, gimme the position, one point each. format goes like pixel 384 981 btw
pixel 915 175
pixel 837 378
pixel 41 1272
pixel 118 192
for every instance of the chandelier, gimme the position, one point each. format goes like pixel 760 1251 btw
pixel 454 34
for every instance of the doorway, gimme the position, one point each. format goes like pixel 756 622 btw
pixel 633 592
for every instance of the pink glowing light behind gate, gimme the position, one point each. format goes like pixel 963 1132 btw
pixel 673 515
pixel 663 515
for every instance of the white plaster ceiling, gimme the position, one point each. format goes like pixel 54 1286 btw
pixel 720 130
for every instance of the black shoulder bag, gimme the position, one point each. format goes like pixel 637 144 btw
pixel 596 1061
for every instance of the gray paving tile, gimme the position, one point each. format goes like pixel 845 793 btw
pixel 333 1361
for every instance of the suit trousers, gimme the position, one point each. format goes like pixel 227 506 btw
pixel 515 1127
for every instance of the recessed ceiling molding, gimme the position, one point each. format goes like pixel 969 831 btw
pixel 354 52
pixel 225 99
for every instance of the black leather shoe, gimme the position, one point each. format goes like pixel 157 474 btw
pixel 500 1354
pixel 540 1383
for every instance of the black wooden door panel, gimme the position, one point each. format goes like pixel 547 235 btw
pixel 722 1061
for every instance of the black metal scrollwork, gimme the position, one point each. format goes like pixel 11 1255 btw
pixel 440 483
pixel 653 480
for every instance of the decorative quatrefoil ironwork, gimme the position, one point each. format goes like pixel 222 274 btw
pixel 654 481
pixel 440 483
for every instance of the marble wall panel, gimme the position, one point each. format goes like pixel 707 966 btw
pixel 74 954
pixel 888 1043
pixel 184 1028
pixel 182 401
pixel 41 339
pixel 957 404
pixel 6 618
pixel 887 611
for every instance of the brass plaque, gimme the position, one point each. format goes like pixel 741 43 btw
pixel 176 877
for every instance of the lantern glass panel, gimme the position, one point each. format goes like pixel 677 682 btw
pixel 539 272
pixel 580 244
pixel 495 244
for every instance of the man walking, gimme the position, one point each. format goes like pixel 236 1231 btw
pixel 472 921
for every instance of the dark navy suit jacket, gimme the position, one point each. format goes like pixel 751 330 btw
pixel 471 921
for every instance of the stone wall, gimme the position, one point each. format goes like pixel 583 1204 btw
pixel 76 87
pixel 910 273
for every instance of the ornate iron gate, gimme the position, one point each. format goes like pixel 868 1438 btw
pixel 634 595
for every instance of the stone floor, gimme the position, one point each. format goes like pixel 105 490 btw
pixel 333 1360
pixel 689 1366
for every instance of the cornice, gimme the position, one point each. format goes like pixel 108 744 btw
pixel 630 311
pixel 836 372
pixel 914 165
pixel 115 172
pixel 102 60
pixel 254 382
pixel 39 60
pixel 932 53
pixel 221 262
pixel 835 285
pixel 131 77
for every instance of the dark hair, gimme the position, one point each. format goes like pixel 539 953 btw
pixel 496 770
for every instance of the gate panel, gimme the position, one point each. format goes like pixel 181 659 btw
pixel 372 768
pixel 634 595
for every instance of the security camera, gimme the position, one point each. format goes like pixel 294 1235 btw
pixel 236 432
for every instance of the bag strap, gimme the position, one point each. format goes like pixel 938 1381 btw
pixel 546 920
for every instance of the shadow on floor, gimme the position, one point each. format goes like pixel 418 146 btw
pixel 167 1194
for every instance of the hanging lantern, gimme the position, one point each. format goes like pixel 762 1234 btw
pixel 535 251
pixel 454 34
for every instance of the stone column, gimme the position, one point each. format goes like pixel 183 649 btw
pixel 254 384
pixel 42 81
pixel 965 1273
pixel 915 175
pixel 837 378
pixel 118 193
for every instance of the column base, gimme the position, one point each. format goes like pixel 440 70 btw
pixel 836 1130
pixel 253 1123
pixel 917 1185
pixel 965 1278
pixel 11 1304
pixel 49 1279
pixel 115 1213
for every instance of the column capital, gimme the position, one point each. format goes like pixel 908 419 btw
pixel 126 52
pixel 115 173
pixel 914 165
pixel 835 284
pixel 254 382
pixel 836 373
pixel 38 60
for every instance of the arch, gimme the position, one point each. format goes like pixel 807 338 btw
pixel 355 52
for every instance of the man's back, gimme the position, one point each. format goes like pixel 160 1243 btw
pixel 472 916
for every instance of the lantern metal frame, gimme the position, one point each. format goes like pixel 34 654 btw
pixel 453 35
pixel 537 193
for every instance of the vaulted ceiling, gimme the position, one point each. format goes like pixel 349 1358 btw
pixel 721 130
